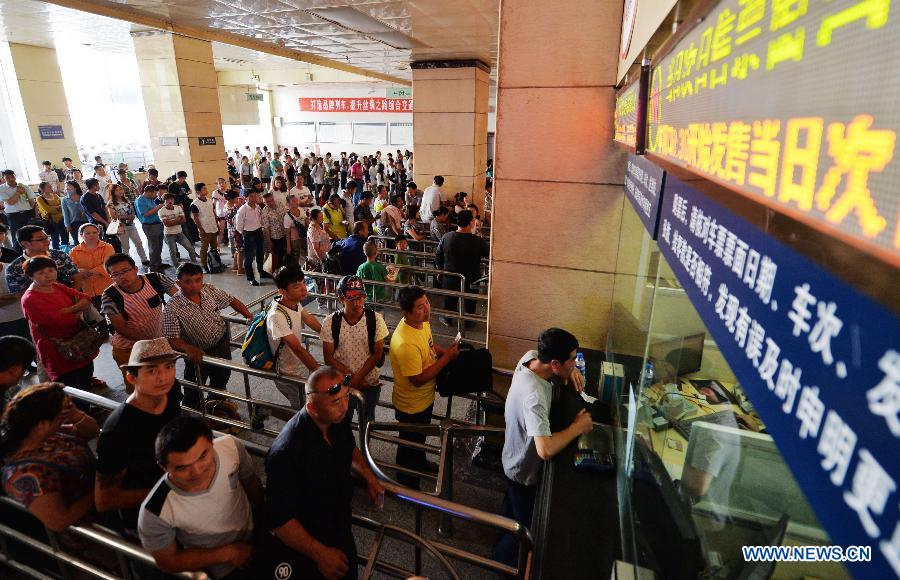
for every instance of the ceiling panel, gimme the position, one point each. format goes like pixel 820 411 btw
pixel 459 29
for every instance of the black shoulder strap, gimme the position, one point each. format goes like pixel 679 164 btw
pixel 370 328
pixel 153 278
pixel 336 327
pixel 113 293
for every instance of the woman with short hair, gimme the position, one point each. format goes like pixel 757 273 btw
pixel 54 312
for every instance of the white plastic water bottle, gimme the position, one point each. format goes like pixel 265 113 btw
pixel 580 364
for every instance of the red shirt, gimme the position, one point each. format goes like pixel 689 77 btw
pixel 42 309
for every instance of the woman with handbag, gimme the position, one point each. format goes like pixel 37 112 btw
pixel 66 346
pixel 123 210
pixel 49 210
pixel 89 256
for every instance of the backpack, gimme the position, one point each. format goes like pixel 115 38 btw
pixel 255 349
pixel 115 295
pixel 370 329
pixel 214 261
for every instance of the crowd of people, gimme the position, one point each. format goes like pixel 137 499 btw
pixel 156 469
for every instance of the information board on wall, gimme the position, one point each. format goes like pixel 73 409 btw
pixel 626 115
pixel 401 134
pixel 335 132
pixel 793 102
pixel 370 133
pixel 819 361
pixel 643 188
pixel 355 105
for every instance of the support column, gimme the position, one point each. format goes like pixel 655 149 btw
pixel 179 85
pixel 450 125
pixel 558 189
pixel 34 97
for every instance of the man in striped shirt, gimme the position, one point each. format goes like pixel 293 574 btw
pixel 134 306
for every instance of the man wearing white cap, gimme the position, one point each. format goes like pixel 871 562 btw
pixel 126 458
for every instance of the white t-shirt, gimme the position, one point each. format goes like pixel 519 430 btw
pixel 303 194
pixel 277 327
pixel 432 199
pixel 169 513
pixel 166 213
pixel 280 198
pixel 207 212
pixel 353 346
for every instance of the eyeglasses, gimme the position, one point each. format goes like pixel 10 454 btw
pixel 119 273
pixel 44 239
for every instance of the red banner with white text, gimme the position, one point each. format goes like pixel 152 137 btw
pixel 356 105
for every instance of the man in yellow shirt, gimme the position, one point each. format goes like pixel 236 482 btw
pixel 416 362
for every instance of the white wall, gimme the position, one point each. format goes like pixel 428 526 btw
pixel 286 101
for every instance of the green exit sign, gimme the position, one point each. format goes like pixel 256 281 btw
pixel 254 96
pixel 399 93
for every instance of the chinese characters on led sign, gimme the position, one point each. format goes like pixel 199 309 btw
pixel 790 101
pixel 822 373
pixel 356 105
pixel 626 116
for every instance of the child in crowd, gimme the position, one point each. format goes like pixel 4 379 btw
pixel 371 269
pixel 233 202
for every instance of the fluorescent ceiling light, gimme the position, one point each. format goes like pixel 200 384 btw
pixel 352 19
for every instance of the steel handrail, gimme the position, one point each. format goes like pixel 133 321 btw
pixel 97 534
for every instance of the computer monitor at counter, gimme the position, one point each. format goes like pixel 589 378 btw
pixel 677 356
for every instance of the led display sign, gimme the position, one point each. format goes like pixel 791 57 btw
pixel 791 102
pixel 626 115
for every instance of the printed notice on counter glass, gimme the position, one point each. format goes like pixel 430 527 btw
pixel 819 361
pixel 643 188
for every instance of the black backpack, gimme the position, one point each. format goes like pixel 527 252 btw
pixel 115 295
pixel 214 261
pixel 370 328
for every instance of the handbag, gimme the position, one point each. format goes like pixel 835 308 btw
pixel 470 372
pixel 115 228
pixel 82 346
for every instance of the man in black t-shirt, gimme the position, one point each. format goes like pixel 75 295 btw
pixel 181 189
pixel 126 459
pixel 309 488
pixel 461 252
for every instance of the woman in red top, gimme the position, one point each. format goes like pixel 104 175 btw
pixel 54 311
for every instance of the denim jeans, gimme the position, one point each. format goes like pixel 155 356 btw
pixel 254 246
pixel 17 219
pixel 58 234
pixel 173 240
pixel 154 233
pixel 407 456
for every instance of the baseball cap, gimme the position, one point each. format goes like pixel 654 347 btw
pixel 350 287
pixel 150 352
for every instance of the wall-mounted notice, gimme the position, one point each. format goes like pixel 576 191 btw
pixel 643 188
pixel 401 134
pixel 626 115
pixel 254 96
pixel 370 133
pixel 51 132
pixel 207 140
pixel 168 141
pixel 335 132
pixel 819 361
pixel 356 105
pixel 789 102
pixel 300 131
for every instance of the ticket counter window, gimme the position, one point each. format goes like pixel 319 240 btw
pixel 699 476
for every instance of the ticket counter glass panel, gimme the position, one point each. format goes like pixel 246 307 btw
pixel 698 475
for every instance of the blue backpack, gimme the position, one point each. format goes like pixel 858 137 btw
pixel 256 350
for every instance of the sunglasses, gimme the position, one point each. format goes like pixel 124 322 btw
pixel 333 389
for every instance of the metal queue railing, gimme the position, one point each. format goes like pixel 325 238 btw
pixel 444 506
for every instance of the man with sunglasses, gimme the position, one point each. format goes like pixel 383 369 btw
pixel 309 484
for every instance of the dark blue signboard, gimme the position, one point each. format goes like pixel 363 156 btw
pixel 51 132
pixel 819 361
pixel 643 185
